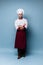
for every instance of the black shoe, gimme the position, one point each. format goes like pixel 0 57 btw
pixel 19 57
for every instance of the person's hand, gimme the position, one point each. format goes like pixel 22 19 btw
pixel 24 25
pixel 21 27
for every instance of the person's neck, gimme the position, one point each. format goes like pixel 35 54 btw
pixel 21 18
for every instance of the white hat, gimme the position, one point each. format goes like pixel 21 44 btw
pixel 19 11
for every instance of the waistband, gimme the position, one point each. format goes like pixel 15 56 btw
pixel 22 29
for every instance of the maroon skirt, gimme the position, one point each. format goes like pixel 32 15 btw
pixel 20 40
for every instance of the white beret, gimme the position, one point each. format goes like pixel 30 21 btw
pixel 19 11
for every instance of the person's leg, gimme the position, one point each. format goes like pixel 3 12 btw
pixel 23 52
pixel 19 53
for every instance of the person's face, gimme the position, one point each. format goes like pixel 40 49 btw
pixel 20 16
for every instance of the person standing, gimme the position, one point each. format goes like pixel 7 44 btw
pixel 21 25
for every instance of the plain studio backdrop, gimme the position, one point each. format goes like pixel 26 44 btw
pixel 33 13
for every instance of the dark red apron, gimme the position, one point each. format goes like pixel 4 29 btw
pixel 20 40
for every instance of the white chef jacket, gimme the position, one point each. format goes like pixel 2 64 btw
pixel 20 22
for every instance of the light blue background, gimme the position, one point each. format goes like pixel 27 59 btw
pixel 33 13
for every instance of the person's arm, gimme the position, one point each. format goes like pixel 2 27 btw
pixel 16 24
pixel 26 24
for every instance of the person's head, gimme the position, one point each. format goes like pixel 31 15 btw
pixel 20 16
pixel 20 13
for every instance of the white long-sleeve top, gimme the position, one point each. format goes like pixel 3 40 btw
pixel 20 22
